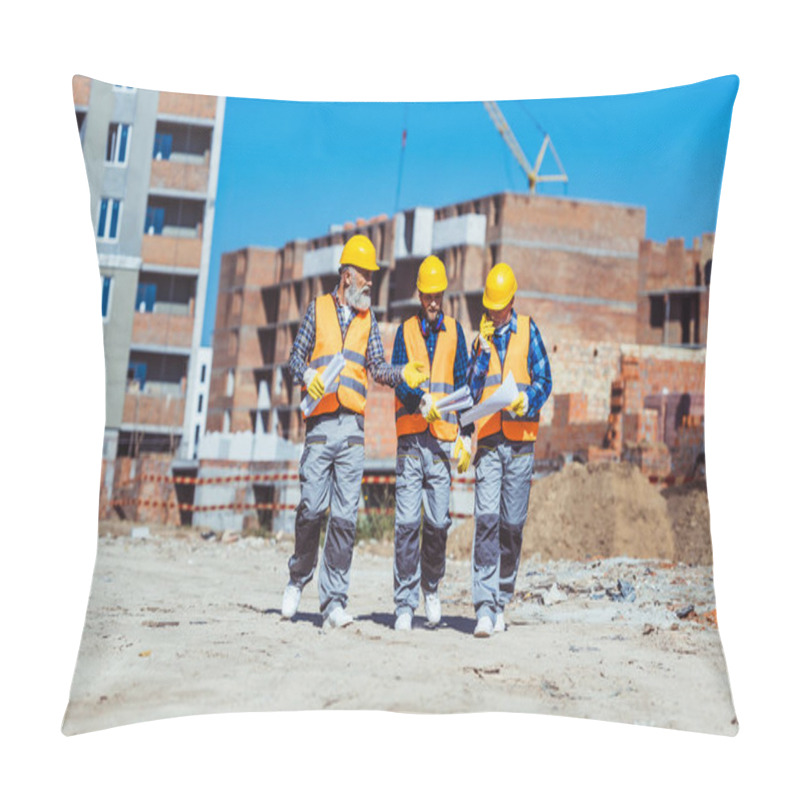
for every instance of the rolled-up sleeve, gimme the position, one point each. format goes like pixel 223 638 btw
pixel 380 371
pixel 303 345
pixel 460 370
pixel 405 394
pixel 477 371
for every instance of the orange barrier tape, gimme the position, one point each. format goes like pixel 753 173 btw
pixel 670 480
pixel 270 477
pixel 130 501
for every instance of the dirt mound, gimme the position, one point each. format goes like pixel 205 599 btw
pixel 688 511
pixel 602 509
pixel 607 510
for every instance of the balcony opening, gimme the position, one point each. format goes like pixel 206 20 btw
pixel 185 144
pixel 80 116
pixel 171 216
pixel 266 342
pixel 657 311
pixel 158 374
pixel 269 299
pixel 135 443
pixel 474 310
pixel 166 294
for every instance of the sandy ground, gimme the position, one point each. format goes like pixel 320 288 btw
pixel 180 625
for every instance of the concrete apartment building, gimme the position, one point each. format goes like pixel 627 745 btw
pixel 624 320
pixel 152 160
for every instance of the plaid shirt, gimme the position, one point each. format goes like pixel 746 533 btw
pixel 538 365
pixel 430 332
pixel 303 346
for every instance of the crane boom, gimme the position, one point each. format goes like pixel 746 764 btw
pixel 531 172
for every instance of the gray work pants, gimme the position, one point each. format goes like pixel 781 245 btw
pixel 422 496
pixel 331 469
pixel 503 471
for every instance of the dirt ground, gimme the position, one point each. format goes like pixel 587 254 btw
pixel 181 624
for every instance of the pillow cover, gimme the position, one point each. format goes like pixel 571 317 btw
pixel 218 222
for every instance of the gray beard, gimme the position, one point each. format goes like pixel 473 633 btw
pixel 359 300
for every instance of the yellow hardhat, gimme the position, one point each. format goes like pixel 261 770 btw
pixel 500 287
pixel 359 252
pixel 431 277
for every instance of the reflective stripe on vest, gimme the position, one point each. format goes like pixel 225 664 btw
pixel 350 390
pixel 514 428
pixel 439 384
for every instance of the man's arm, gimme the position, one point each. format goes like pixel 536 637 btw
pixel 460 369
pixel 303 345
pixel 405 394
pixel 477 370
pixel 539 369
pixel 381 372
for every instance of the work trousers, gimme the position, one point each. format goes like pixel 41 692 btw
pixel 331 469
pixel 422 499
pixel 503 471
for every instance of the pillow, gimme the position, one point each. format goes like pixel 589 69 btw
pixel 218 221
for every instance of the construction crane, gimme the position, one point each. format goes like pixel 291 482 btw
pixel 531 172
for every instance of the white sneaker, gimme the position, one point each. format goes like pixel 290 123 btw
pixel 291 601
pixel 338 618
pixel 433 608
pixel 403 621
pixel 484 628
pixel 499 623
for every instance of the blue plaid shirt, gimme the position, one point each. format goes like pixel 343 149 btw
pixel 538 365
pixel 303 345
pixel 430 332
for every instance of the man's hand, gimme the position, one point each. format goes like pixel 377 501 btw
pixel 486 333
pixel 314 385
pixel 463 453
pixel 520 406
pixel 428 408
pixel 414 373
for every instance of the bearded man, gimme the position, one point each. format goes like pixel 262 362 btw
pixel 332 464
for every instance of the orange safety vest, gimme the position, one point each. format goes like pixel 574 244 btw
pixel 350 390
pixel 439 384
pixel 516 363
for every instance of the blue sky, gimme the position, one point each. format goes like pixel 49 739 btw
pixel 290 170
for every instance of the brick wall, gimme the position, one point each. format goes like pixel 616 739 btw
pixel 145 409
pixel 172 175
pixel 141 500
pixel 153 328
pixel 187 105
pixel 81 89
pixel 563 321
pixel 172 251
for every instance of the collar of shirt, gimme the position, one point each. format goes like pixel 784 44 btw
pixel 344 312
pixel 427 328
pixel 510 326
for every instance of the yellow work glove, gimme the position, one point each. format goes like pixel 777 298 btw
pixel 486 332
pixel 520 406
pixel 463 453
pixel 314 385
pixel 414 373
pixel 428 409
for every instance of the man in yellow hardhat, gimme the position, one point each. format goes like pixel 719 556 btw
pixel 332 464
pixel 425 437
pixel 508 343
